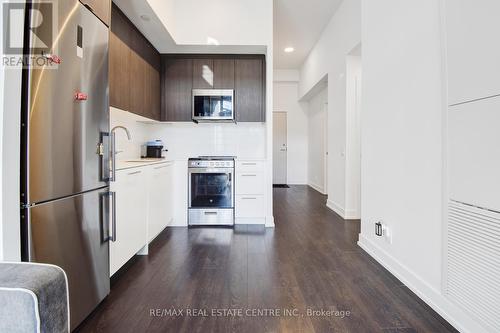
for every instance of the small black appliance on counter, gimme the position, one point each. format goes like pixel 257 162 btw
pixel 153 149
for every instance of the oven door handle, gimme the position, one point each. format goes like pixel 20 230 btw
pixel 210 170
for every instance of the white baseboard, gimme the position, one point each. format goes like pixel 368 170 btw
pixel 296 182
pixel 336 208
pixel 430 295
pixel 270 222
pixel 347 215
pixel 318 188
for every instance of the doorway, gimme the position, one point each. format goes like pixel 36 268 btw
pixel 280 148
pixel 318 138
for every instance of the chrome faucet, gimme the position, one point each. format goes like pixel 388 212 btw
pixel 113 150
pixel 123 128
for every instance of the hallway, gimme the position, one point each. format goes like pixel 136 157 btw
pixel 309 262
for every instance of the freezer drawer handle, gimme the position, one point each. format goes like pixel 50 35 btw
pixel 113 216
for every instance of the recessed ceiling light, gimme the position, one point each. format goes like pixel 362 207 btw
pixel 289 49
pixel 145 18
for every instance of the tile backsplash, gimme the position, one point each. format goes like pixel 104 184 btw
pixel 184 140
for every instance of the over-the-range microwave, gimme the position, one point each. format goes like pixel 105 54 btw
pixel 213 105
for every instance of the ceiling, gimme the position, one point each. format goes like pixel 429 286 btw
pixel 299 24
pixel 158 35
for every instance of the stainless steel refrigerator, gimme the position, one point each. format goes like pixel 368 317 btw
pixel 65 197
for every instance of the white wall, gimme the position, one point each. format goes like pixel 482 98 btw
pixel 11 165
pixel 184 140
pixel 2 77
pixel 317 117
pixel 328 58
pixel 353 138
pixel 402 156
pixel 286 99
pixel 10 107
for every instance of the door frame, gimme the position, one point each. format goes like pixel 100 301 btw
pixel 325 150
pixel 286 135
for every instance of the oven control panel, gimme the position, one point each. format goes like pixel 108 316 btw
pixel 211 164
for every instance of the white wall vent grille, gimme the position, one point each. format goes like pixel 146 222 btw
pixel 473 261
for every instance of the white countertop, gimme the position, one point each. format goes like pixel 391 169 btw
pixel 139 162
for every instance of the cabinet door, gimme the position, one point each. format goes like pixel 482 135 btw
pixel 474 153
pixel 119 61
pixel 155 62
pixel 203 74
pixel 160 199
pixel 138 75
pixel 177 86
pixel 131 215
pixel 100 8
pixel 473 51
pixel 155 94
pixel 223 73
pixel 249 90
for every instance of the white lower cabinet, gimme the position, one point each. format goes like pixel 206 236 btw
pixel 160 195
pixel 250 189
pixel 131 214
pixel 144 207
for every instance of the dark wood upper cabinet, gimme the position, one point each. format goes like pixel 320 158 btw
pixel 155 93
pixel 100 8
pixel 137 76
pixel 134 75
pixel 223 73
pixel 244 73
pixel 249 90
pixel 203 74
pixel 177 84
pixel 119 62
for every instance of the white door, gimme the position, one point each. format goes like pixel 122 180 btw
pixel 279 147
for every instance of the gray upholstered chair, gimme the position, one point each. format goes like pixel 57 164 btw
pixel 33 298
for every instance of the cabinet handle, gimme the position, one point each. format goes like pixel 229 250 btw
pixel 134 173
pixel 248 163
pixel 210 213
pixel 249 198
pixel 249 175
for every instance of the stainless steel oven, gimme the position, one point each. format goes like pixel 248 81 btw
pixel 211 191
pixel 213 105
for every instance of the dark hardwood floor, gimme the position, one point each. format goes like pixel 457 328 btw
pixel 310 261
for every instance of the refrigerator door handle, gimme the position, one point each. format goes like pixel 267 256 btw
pixel 108 216
pixel 103 152
pixel 113 216
pixel 113 157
